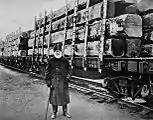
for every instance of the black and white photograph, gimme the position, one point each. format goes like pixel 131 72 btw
pixel 76 59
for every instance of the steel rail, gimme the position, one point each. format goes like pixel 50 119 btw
pixel 100 94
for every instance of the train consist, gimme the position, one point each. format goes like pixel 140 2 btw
pixel 101 38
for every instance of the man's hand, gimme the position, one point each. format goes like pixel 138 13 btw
pixel 68 76
pixel 48 83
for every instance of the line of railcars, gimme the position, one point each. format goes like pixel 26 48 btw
pixel 101 38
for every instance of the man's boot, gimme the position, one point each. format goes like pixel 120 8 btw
pixel 54 115
pixel 55 109
pixel 65 112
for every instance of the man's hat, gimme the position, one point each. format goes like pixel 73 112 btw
pixel 57 47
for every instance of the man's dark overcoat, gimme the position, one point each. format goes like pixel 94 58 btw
pixel 57 72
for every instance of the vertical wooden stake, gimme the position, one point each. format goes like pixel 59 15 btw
pixel 50 32
pixel 74 33
pixel 65 27
pixel 44 30
pixel 35 30
pixel 102 39
pixel 86 37
pixel 39 30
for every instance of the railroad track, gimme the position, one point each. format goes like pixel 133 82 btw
pixel 92 92
pixel 110 98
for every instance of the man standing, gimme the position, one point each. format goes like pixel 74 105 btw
pixel 58 73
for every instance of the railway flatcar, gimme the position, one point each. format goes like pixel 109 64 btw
pixel 14 51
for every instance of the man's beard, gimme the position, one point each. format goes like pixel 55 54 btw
pixel 58 56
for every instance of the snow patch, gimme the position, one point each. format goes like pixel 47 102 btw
pixel 137 100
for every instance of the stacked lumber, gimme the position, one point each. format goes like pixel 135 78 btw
pixel 31 42
pixel 133 47
pixel 131 24
pixel 30 52
pixel 145 5
pixel 22 53
pixel 45 51
pixel 147 40
pixel 147 27
pixel 148 21
pixel 148 50
pixel 94 13
pixel 94 31
pixel 92 49
pixel 95 7
pixel 15 53
pixel 82 5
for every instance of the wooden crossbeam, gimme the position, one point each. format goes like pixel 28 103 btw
pixel 102 39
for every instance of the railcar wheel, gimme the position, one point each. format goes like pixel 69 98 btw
pixel 105 82
pixel 145 92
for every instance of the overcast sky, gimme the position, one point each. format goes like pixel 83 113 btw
pixel 20 13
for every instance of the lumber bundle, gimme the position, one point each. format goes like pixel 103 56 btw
pixel 45 51
pixel 92 49
pixel 82 4
pixel 148 21
pixel 145 5
pixel 95 10
pixel 71 5
pixel 131 24
pixel 94 13
pixel 147 37
pixel 21 53
pixel 147 50
pixel 133 47
pixel 94 31
pixel 30 52
pixel 147 27
pixel 31 42
pixel 123 47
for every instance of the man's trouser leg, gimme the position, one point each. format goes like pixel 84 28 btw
pixel 65 111
pixel 64 108
pixel 55 109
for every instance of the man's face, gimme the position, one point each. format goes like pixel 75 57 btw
pixel 58 54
